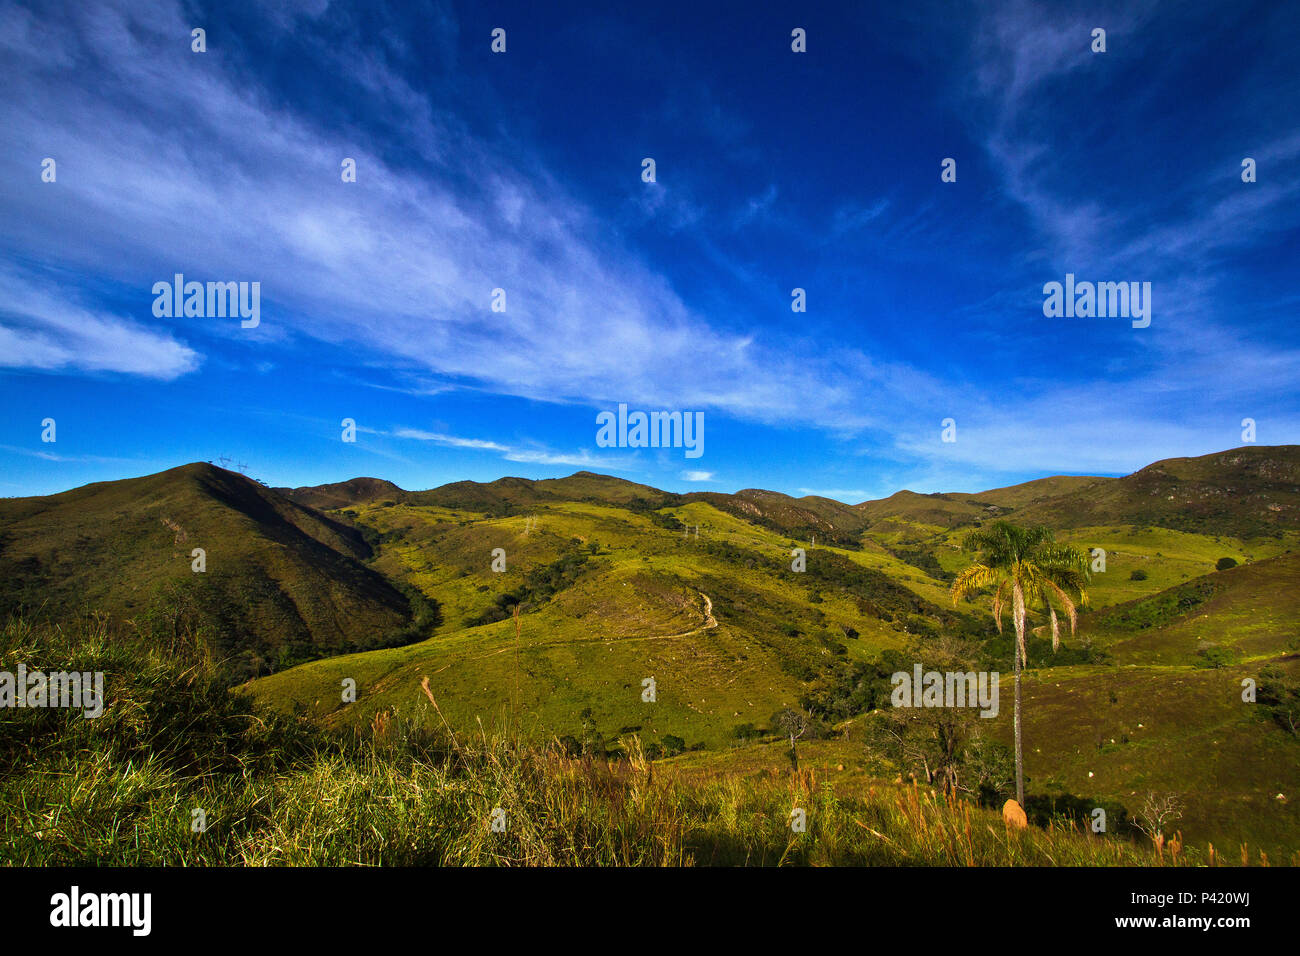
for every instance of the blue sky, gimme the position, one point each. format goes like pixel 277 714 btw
pixel 522 171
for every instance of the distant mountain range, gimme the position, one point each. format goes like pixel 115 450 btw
pixel 1246 491
pixel 286 581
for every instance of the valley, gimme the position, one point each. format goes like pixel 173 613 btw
pixel 607 583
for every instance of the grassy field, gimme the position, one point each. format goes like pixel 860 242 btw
pixel 175 749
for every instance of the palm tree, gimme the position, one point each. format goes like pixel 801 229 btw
pixel 1024 566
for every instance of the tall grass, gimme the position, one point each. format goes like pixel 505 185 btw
pixel 122 789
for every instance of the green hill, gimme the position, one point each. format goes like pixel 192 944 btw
pixel 934 510
pixel 1241 614
pixel 1246 493
pixel 343 494
pixel 507 496
pixel 1167 715
pixel 283 583
pixel 610 597
pixel 704 594
pixel 1031 492
pixel 830 521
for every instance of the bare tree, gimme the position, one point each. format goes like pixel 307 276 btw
pixel 794 724
pixel 1158 810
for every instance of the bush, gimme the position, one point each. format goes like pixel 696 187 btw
pixel 1216 657
pixel 539 586
pixel 1138 575
pixel 1279 697
pixel 1224 563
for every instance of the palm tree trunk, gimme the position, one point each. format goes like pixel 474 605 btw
pixel 1020 640
pixel 1020 756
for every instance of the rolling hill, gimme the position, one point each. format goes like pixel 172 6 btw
pixel 933 510
pixel 507 496
pixel 283 583
pixel 1246 493
pixel 343 494
pixel 831 521
pixel 1031 492
pixel 412 595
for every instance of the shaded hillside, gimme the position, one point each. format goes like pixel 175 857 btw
pixel 1246 492
pixel 832 522
pixel 1030 492
pixel 283 583
pixel 344 494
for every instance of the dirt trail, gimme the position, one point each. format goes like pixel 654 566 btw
pixel 709 619
pixel 710 622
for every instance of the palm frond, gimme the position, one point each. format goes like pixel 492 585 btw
pixel 971 580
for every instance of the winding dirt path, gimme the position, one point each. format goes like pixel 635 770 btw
pixel 710 622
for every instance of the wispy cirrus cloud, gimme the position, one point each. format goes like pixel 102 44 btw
pixel 451 441
pixel 42 326
pixel 581 459
pixel 535 456
pixel 402 263
pixel 55 457
pixel 215 166
pixel 1037 82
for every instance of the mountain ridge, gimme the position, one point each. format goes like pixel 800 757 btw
pixel 279 582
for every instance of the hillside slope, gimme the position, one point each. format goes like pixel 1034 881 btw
pixel 343 494
pixel 282 583
pixel 832 522
pixel 726 604
pixel 1246 492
